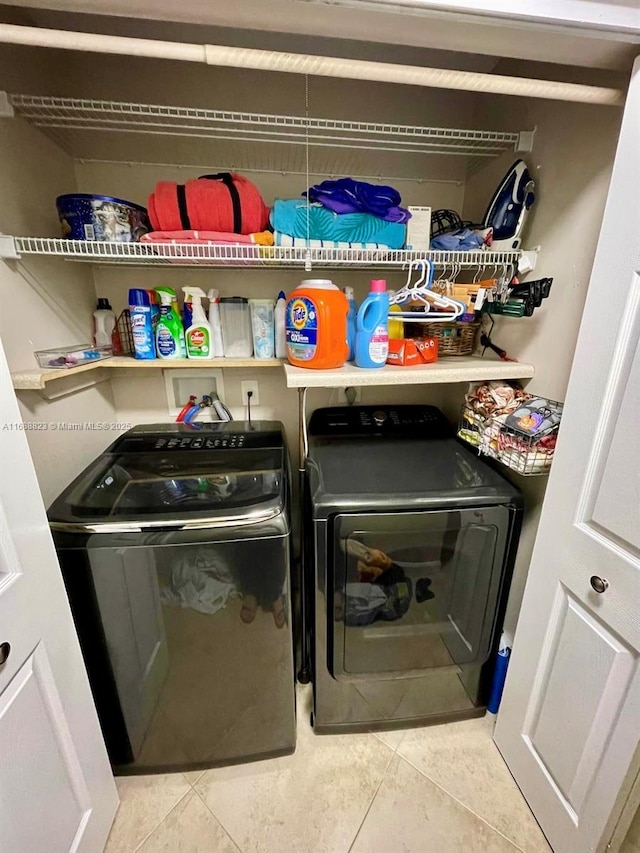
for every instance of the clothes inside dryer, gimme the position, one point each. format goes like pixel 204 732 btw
pixel 416 592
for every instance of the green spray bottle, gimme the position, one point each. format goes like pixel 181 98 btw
pixel 170 342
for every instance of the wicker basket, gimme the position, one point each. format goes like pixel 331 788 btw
pixel 453 338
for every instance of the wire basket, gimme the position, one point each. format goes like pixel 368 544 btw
pixel 122 337
pixel 519 449
pixel 453 338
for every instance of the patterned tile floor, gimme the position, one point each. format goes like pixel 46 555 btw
pixel 440 789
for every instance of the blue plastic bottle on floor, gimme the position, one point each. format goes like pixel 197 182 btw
pixel 372 329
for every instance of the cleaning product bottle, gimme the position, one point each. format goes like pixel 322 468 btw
pixel 316 325
pixel 198 335
pixel 396 327
pixel 372 333
pixel 141 325
pixel 351 323
pixel 280 315
pixel 155 310
pixel 104 322
pixel 215 323
pixel 170 341
pixel 187 313
pixel 176 311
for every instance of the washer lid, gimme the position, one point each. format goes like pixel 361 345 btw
pixel 173 488
pixel 353 474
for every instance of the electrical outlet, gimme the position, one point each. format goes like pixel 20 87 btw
pixel 245 387
pixel 352 395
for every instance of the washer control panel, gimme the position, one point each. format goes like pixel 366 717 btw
pixel 376 421
pixel 171 438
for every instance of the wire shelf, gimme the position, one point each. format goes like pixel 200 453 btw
pixel 212 254
pixel 64 118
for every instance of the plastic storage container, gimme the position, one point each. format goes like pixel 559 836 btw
pixel 263 327
pixel 100 217
pixel 236 327
pixel 317 325
pixel 71 356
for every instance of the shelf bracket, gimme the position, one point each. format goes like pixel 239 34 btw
pixel 525 140
pixel 66 385
pixel 6 107
pixel 8 248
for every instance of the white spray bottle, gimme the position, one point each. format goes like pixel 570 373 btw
pixel 215 324
pixel 198 335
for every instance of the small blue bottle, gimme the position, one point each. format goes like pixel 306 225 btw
pixel 372 327
pixel 351 323
pixel 141 324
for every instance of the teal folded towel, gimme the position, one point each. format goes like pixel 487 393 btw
pixel 289 216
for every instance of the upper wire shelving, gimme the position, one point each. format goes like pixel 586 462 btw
pixel 260 257
pixel 69 114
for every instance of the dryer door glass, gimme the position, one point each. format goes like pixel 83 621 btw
pixel 414 591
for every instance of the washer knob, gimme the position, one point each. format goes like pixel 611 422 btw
pixel 379 417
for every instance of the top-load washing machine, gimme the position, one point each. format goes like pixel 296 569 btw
pixel 175 550
pixel 410 553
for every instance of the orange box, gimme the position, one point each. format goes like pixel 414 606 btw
pixel 407 352
pixel 427 348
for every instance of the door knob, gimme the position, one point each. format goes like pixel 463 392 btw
pixel 5 650
pixel 600 585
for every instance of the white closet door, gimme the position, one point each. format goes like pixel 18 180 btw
pixel 569 725
pixel 58 793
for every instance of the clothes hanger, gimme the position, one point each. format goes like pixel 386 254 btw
pixel 421 291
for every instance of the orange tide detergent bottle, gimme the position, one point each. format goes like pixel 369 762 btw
pixel 316 324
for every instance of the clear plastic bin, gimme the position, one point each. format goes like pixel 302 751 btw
pixel 263 326
pixel 71 356
pixel 237 340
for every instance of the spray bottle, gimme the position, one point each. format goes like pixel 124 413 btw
pixel 198 335
pixel 176 312
pixel 141 325
pixel 214 322
pixel 170 343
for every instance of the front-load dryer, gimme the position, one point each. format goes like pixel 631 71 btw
pixel 175 551
pixel 409 563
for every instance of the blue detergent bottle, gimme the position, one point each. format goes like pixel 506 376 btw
pixel 372 329
pixel 351 323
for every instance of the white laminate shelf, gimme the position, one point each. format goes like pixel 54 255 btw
pixel 38 379
pixel 445 370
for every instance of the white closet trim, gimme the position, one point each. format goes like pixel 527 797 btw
pixel 323 66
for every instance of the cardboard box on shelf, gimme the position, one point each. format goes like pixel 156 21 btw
pixel 405 352
pixel 419 228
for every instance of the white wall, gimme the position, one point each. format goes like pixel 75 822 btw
pixel 571 164
pixel 44 303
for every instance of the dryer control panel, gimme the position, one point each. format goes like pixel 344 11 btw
pixel 380 421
